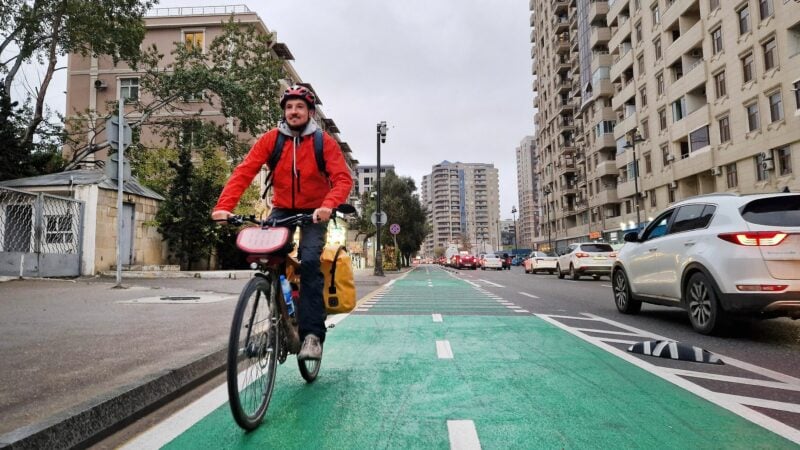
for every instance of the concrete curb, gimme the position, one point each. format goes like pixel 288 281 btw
pixel 86 423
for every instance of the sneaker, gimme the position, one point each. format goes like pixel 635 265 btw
pixel 312 349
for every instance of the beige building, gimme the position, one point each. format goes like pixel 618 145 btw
pixel 710 86
pixel 463 206
pixel 527 192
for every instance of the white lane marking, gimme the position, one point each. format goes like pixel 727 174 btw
pixel 443 350
pixel 620 333
pixel 527 295
pixel 505 303
pixel 728 360
pixel 391 282
pixel 618 341
pixel 513 307
pixel 570 317
pixel 490 283
pixel 473 284
pixel 463 435
pixel 722 400
pixel 606 285
pixel 362 309
pixel 730 379
pixel 762 403
pixel 437 317
pixel 521 311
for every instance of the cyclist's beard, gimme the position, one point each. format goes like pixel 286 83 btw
pixel 300 127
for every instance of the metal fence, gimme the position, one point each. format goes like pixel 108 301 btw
pixel 40 234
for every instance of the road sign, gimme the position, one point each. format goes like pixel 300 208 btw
pixel 112 131
pixel 394 228
pixel 374 218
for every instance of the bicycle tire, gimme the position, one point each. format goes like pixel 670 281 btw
pixel 252 360
pixel 309 369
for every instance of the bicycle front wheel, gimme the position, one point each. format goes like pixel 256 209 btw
pixel 253 351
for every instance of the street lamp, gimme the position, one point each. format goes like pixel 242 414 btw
pixel 513 215
pixel 631 144
pixel 381 135
pixel 547 193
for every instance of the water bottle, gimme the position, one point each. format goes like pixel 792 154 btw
pixel 287 295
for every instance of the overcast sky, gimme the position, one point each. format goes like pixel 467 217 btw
pixel 451 77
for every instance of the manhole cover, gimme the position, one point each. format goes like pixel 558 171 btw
pixel 179 298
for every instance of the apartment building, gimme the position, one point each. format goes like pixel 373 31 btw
pixel 463 206
pixel 678 98
pixel 527 192
pixel 366 177
pixel 93 83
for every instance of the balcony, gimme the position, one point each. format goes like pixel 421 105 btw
pixel 560 24
pixel 605 141
pixel 688 40
pixel 621 34
pixel 565 168
pixel 599 36
pixel 674 11
pixel 691 122
pixel 614 8
pixel 624 126
pixel 605 196
pixel 563 107
pixel 562 45
pixel 621 97
pixel 596 10
pixel 626 188
pixel 621 65
pixel 533 67
pixel 690 80
pixel 601 60
pixel 533 18
pixel 605 168
pixel 533 36
pixel 563 86
pixel 603 89
pixel 696 162
pixel 560 6
pixel 563 65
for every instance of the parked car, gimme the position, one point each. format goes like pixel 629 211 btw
pixel 586 258
pixel 492 262
pixel 715 256
pixel 541 262
pixel 516 261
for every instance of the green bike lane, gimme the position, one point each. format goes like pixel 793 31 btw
pixel 393 377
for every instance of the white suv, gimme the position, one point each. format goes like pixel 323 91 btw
pixel 586 258
pixel 715 255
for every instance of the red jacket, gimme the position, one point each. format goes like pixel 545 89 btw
pixel 295 186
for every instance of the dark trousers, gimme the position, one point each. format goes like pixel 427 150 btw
pixel 311 310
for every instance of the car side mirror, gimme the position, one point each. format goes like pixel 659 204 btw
pixel 633 236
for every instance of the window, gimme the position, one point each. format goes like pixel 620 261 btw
pixel 691 217
pixel 716 40
pixel 761 168
pixel 129 88
pixel 775 107
pixel 59 229
pixel 665 155
pixel 658 227
pixel 719 85
pixel 730 176
pixel 752 117
pixel 660 83
pixel 656 15
pixel 744 20
pixel 652 197
pixel 192 134
pixel 662 119
pixel 645 127
pixel 699 139
pixel 648 163
pixel 643 97
pixel 796 88
pixel 770 54
pixel 724 129
pixel 627 206
pixel 657 45
pixel 784 161
pixel 713 4
pixel 194 38
pixel 765 8
pixel 679 109
pixel 671 195
pixel 638 32
pixel 640 60
pixel 747 68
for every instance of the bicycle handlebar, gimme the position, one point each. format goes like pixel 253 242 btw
pixel 297 219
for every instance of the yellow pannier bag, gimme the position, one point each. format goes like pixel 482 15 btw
pixel 340 287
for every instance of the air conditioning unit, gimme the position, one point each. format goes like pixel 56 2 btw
pixel 673 185
pixel 100 84
pixel 643 194
pixel 670 157
pixel 767 164
pixel 716 171
pixel 696 52
pixel 619 179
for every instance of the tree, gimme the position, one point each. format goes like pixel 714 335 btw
pixel 39 31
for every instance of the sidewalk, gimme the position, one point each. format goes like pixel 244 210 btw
pixel 79 356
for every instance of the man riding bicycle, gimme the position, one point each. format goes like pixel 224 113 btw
pixel 298 187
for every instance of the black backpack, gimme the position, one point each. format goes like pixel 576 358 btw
pixel 277 150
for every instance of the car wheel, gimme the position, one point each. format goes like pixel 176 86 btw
pixel 705 313
pixel 622 294
pixel 559 272
pixel 574 275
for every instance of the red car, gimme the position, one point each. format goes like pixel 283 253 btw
pixel 468 262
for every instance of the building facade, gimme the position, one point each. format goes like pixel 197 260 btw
pixel 648 102
pixel 527 192
pixel 463 207
pixel 367 175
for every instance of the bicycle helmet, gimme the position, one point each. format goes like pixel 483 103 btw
pixel 301 92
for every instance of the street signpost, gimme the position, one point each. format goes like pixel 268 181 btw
pixel 119 138
pixel 394 228
pixel 374 218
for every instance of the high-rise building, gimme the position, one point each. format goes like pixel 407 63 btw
pixel 463 206
pixel 644 103
pixel 527 192
pixel 367 175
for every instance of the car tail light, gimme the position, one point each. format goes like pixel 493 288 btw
pixel 581 255
pixel 612 255
pixel 755 238
pixel 762 287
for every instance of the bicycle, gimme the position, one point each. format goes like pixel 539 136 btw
pixel 263 334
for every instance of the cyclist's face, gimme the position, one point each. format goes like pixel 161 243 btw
pixel 296 112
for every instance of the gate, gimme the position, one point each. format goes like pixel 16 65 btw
pixel 41 235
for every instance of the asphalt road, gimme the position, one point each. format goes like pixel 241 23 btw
pixel 773 344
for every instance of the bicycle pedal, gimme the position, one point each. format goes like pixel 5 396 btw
pixel 331 326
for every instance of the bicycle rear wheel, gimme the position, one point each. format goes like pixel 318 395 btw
pixel 309 369
pixel 253 351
